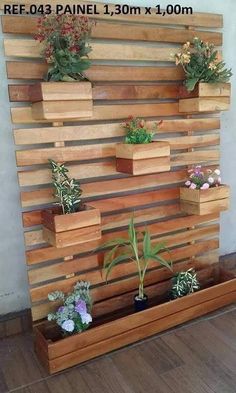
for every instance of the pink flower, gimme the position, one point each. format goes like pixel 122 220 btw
pixel 193 186
pixel 219 180
pixel 188 183
pixel 205 186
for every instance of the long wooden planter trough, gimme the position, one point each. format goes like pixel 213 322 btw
pixel 61 100
pixel 59 354
pixel 207 97
pixel 200 202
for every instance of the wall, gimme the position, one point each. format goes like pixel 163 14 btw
pixel 13 279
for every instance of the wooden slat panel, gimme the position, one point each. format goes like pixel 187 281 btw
pixel 41 292
pixel 117 31
pixel 198 19
pixel 32 136
pixel 20 93
pixel 106 150
pixel 97 73
pixel 108 186
pixel 82 264
pixel 160 228
pixel 100 51
pixel 23 115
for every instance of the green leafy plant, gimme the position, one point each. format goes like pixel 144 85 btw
pixel 74 316
pixel 65 45
pixel 184 283
pixel 137 132
pixel 67 191
pixel 130 251
pixel 201 64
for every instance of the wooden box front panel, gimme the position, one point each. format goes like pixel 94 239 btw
pixel 60 91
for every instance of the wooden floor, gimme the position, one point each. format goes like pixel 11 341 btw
pixel 196 358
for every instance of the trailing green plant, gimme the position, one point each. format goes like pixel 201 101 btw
pixel 65 45
pixel 128 249
pixel 67 190
pixel 201 63
pixel 137 131
pixel 74 315
pixel 184 283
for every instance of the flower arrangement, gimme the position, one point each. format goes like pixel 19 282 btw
pixel 184 283
pixel 137 132
pixel 131 251
pixel 64 39
pixel 67 190
pixel 74 316
pixel 201 64
pixel 202 179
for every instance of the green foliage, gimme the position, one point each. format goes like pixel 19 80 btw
pixel 128 249
pixel 201 64
pixel 67 191
pixel 137 132
pixel 74 315
pixel 65 45
pixel 184 283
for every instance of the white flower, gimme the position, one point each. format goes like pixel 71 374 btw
pixel 211 180
pixel 217 172
pixel 68 325
pixel 188 183
pixel 86 318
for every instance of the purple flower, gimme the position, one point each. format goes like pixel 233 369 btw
pixel 81 307
pixel 68 325
pixel 61 309
pixel 86 318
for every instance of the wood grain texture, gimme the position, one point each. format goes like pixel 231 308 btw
pixel 23 115
pixel 99 73
pixel 41 135
pixel 197 19
pixel 116 31
pixel 108 51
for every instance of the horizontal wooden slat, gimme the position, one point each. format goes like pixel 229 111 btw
pixel 118 31
pixel 20 93
pixel 23 115
pixel 82 264
pixel 106 187
pixel 97 73
pixel 41 135
pixel 106 150
pixel 198 19
pixel 41 292
pixel 100 51
pixel 160 228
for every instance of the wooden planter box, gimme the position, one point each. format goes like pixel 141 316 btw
pixel 200 202
pixel 142 159
pixel 207 97
pixel 59 354
pixel 63 230
pixel 61 100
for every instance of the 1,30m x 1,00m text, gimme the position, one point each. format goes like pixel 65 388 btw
pixel 94 9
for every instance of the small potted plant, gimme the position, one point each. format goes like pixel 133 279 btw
pixel 74 315
pixel 64 40
pixel 205 87
pixel 72 222
pixel 184 283
pixel 203 192
pixel 141 258
pixel 139 154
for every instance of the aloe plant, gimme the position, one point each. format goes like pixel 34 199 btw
pixel 149 252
